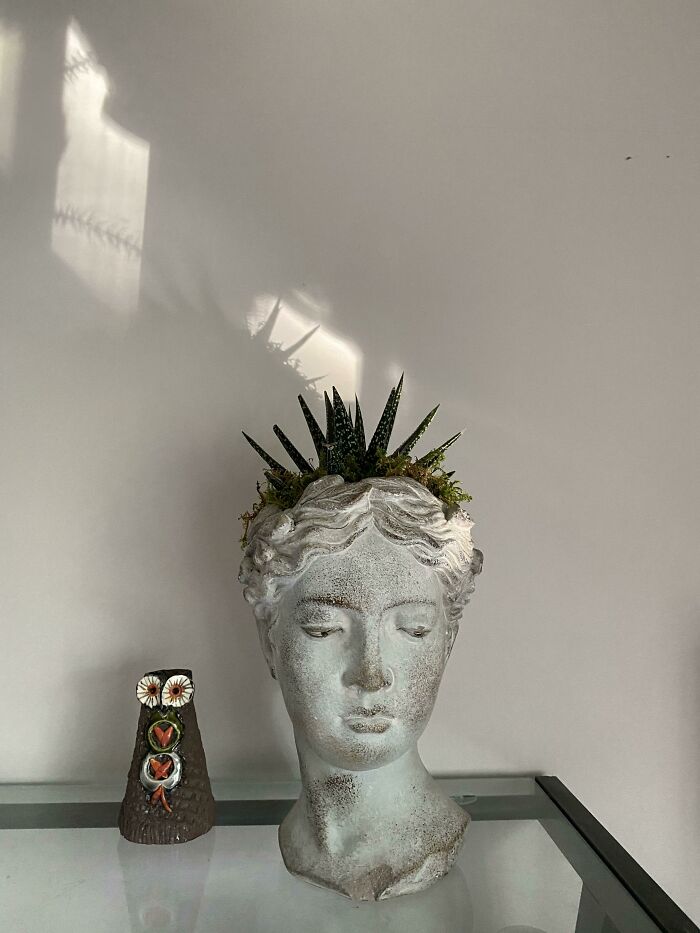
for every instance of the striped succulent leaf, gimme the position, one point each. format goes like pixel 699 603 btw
pixel 359 429
pixel 314 429
pixel 299 459
pixel 331 460
pixel 413 439
pixel 380 438
pixel 344 434
pixel 373 446
pixel 429 459
pixel 264 454
pixel 330 420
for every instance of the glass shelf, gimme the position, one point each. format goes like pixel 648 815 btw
pixel 533 861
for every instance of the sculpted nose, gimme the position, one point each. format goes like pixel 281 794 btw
pixel 369 672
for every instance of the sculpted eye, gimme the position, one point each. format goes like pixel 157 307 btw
pixel 320 632
pixel 416 632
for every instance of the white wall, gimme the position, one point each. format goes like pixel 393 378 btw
pixel 500 198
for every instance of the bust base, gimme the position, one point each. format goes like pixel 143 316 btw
pixel 409 864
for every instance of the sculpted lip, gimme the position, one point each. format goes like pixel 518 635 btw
pixel 364 720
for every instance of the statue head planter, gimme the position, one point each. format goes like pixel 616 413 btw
pixel 358 589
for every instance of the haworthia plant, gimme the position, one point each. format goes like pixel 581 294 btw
pixel 298 458
pixel 317 435
pixel 345 441
pixel 342 450
pixel 433 455
pixel 359 426
pixel 413 438
pixel 266 457
pixel 380 438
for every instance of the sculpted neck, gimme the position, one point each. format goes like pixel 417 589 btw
pixel 339 806
pixel 370 834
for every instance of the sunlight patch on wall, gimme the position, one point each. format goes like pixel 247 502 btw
pixel 11 50
pixel 101 185
pixel 295 330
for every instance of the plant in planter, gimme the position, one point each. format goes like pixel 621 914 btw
pixel 358 571
pixel 342 451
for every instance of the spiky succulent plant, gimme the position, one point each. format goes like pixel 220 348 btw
pixel 343 451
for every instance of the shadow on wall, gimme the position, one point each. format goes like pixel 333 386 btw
pixel 138 378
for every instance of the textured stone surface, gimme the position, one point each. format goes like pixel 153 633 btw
pixel 358 591
pixel 193 809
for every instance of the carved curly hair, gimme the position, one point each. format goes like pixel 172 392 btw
pixel 332 513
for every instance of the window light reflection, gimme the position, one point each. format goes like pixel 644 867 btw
pixel 101 185
pixel 292 328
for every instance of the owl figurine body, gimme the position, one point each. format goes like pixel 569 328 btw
pixel 168 796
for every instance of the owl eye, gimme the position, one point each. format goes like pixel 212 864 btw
pixel 177 690
pixel 148 690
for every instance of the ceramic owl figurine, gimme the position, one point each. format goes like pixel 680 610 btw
pixel 168 796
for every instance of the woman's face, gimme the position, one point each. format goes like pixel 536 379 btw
pixel 359 649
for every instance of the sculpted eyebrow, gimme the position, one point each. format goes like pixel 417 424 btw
pixel 329 601
pixel 342 603
pixel 412 602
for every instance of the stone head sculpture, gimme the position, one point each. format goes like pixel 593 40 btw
pixel 358 590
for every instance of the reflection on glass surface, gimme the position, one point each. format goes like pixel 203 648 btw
pixel 521 930
pixel 322 357
pixel 164 885
pixel 10 60
pixel 513 874
pixel 101 185
pixel 250 891
pixel 508 875
pixel 518 878
pixel 443 908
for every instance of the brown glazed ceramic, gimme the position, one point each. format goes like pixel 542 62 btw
pixel 161 815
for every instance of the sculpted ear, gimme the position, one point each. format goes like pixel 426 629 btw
pixel 450 640
pixel 266 644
